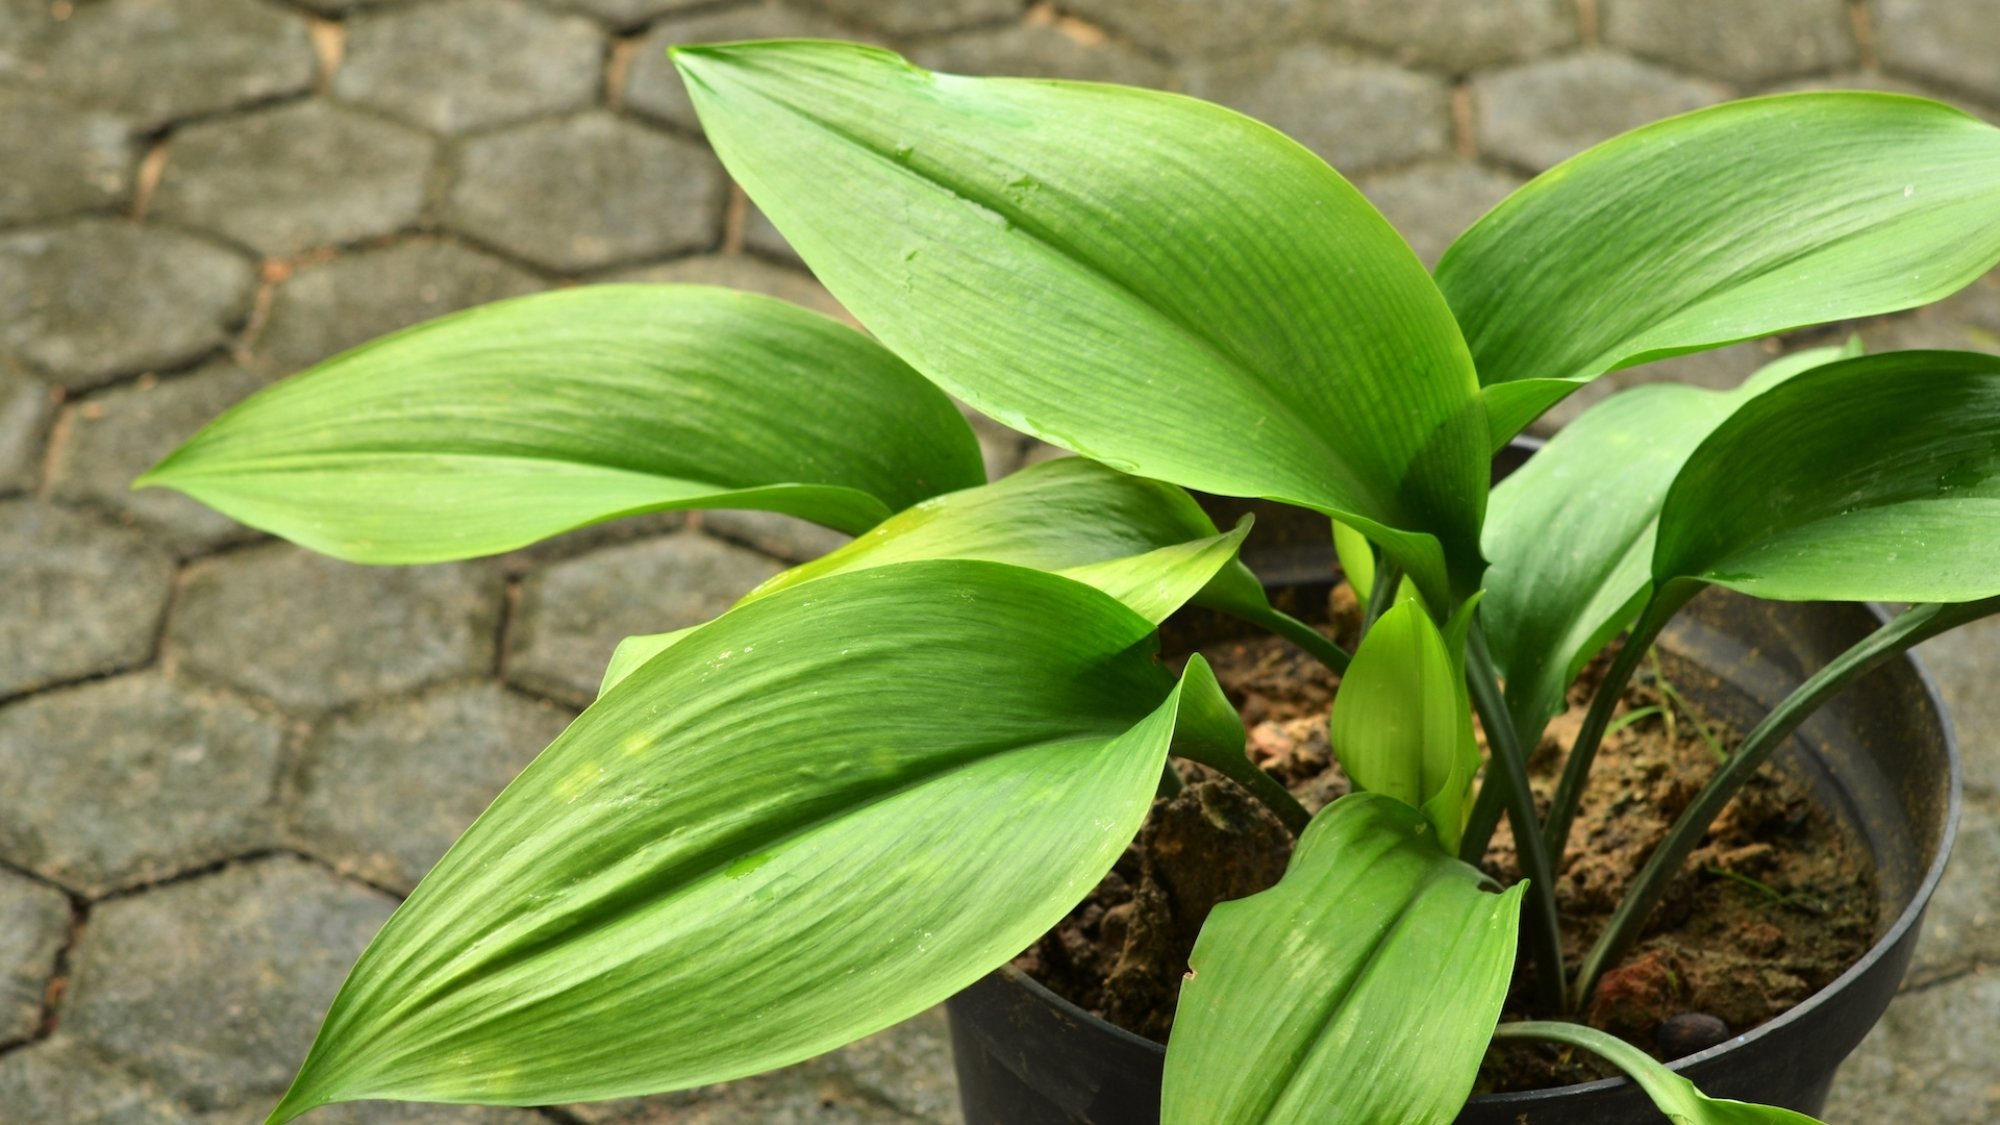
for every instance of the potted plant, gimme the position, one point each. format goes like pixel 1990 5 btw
pixel 886 772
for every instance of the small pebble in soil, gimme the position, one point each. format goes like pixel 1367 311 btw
pixel 1684 1034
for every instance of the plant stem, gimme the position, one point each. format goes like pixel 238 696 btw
pixel 1302 635
pixel 1660 608
pixel 1265 788
pixel 1388 579
pixel 1650 885
pixel 1508 777
pixel 1633 1061
pixel 1487 807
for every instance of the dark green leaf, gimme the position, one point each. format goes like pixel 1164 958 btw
pixel 499 426
pixel 1570 534
pixel 1155 282
pixel 810 818
pixel 1871 479
pixel 1721 225
pixel 1363 987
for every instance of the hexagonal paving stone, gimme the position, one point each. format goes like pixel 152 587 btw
pixel 62 1080
pixel 1538 115
pixel 761 235
pixel 1966 663
pixel 574 614
pixel 25 411
pixel 652 85
pixel 156 61
pixel 25 28
pixel 212 988
pixel 1887 84
pixel 387 1113
pixel 101 298
pixel 82 598
pixel 459 65
pixel 1355 112
pixel 1045 49
pixel 1739 42
pixel 386 790
pixel 1454 36
pixel 902 1074
pixel 298 176
pixel 1432 203
pixel 1968 320
pixel 738 271
pixel 323 310
pixel 1197 27
pixel 630 13
pixel 114 436
pixel 131 779
pixel 34 923
pixel 1929 1060
pixel 83 160
pixel 314 633
pixel 586 192
pixel 1951 41
pixel 919 17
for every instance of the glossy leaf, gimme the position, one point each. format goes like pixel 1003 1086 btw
pixel 1402 726
pixel 1357 559
pixel 1362 988
pixel 1871 479
pixel 1570 533
pixel 635 651
pixel 815 816
pixel 1155 282
pixel 1676 1097
pixel 1721 225
pixel 493 428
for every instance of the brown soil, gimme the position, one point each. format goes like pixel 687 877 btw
pixel 1777 902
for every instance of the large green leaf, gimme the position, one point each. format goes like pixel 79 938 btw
pixel 1873 479
pixel 1676 1097
pixel 493 428
pixel 1402 726
pixel 1152 281
pixel 1721 225
pixel 1570 533
pixel 1362 988
pixel 812 817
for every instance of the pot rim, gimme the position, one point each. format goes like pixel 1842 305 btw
pixel 1890 937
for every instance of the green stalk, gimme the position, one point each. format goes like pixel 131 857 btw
pixel 1660 609
pixel 1240 769
pixel 1508 777
pixel 1487 807
pixel 1388 578
pixel 1643 895
pixel 1643 1068
pixel 1300 634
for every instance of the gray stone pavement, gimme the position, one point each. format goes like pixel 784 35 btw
pixel 222 759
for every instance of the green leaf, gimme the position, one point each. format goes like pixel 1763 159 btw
pixel 1871 479
pixel 1155 282
pixel 1570 533
pixel 496 427
pixel 1357 559
pixel 1675 1096
pixel 815 816
pixel 1060 514
pixel 635 651
pixel 1721 225
pixel 1401 725
pixel 1362 987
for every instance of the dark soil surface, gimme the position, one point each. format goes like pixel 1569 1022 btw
pixel 1777 902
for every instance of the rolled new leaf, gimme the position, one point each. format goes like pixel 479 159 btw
pixel 1155 282
pixel 815 816
pixel 1871 479
pixel 1721 225
pixel 499 426
pixel 1362 988
pixel 1402 726
pixel 1570 533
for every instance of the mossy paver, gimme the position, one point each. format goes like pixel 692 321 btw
pixel 573 614
pixel 96 763
pixel 114 435
pixel 586 192
pixel 313 633
pixel 82 597
pixel 385 790
pixel 90 301
pixel 205 195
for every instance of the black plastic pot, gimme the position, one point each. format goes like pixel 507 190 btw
pixel 1881 757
